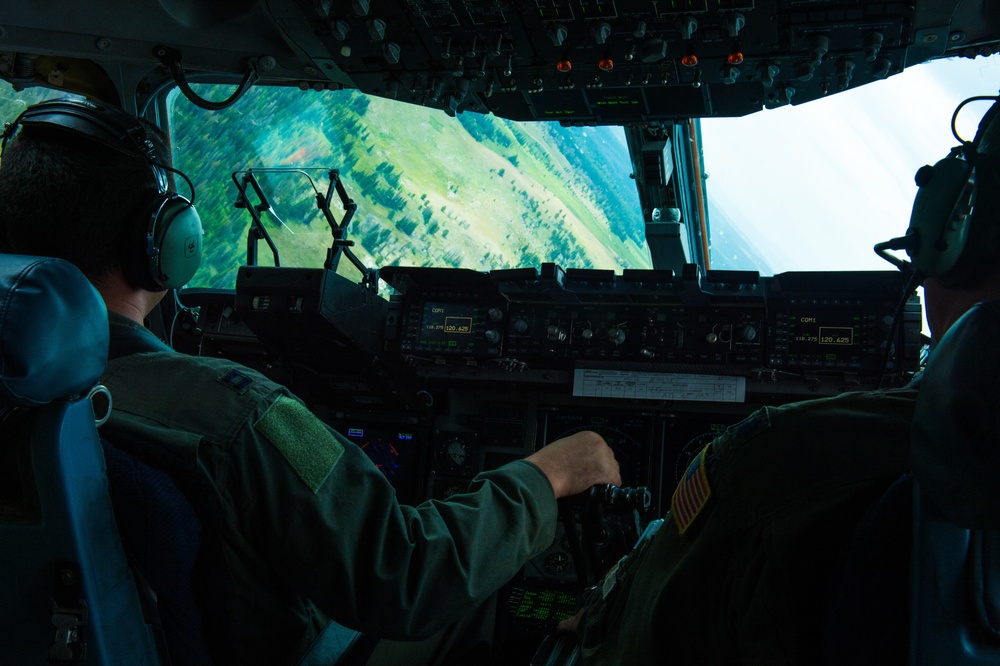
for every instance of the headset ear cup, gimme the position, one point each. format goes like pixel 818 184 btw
pixel 938 235
pixel 177 237
pixel 982 245
pixel 139 247
pixel 164 251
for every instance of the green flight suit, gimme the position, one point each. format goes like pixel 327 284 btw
pixel 763 539
pixel 300 525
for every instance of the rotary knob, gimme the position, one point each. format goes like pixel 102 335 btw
pixel 556 333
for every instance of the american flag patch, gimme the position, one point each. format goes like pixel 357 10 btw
pixel 692 493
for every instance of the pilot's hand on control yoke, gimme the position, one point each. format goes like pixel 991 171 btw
pixel 575 463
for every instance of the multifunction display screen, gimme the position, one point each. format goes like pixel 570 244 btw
pixel 449 326
pixel 827 337
pixel 396 451
pixel 824 338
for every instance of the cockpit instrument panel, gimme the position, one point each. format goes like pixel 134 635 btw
pixel 839 325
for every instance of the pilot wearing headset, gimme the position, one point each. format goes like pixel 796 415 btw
pixel 747 566
pixel 298 525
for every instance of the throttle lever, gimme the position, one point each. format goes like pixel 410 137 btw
pixel 616 497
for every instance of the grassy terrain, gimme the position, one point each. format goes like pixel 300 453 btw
pixel 474 191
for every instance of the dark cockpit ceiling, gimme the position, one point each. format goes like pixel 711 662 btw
pixel 576 61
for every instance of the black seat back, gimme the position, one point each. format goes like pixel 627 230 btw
pixel 955 569
pixel 162 535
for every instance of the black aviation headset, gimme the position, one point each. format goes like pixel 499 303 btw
pixel 954 232
pixel 164 250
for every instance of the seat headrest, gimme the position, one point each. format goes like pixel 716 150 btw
pixel 53 330
pixel 956 428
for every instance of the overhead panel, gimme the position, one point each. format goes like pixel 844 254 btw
pixel 576 61
pixel 623 61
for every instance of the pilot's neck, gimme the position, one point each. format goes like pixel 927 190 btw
pixel 121 297
pixel 945 306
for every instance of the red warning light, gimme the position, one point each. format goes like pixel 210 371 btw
pixel 734 58
pixel 564 65
pixel 690 60
pixel 606 64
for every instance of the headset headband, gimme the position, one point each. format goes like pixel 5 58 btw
pixel 107 125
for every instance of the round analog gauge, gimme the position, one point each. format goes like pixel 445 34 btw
pixel 454 455
pixel 446 491
pixel 688 453
pixel 557 563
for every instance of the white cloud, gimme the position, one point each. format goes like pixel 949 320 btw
pixel 817 185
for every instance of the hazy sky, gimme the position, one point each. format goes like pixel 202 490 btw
pixel 817 185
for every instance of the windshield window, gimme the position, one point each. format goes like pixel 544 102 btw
pixel 472 191
pixel 814 187
pixel 809 187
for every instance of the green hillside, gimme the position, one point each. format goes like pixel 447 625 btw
pixel 473 191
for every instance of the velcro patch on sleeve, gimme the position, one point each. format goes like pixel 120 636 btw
pixel 692 493
pixel 302 439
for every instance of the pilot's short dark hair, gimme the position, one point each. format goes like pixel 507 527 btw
pixel 67 196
